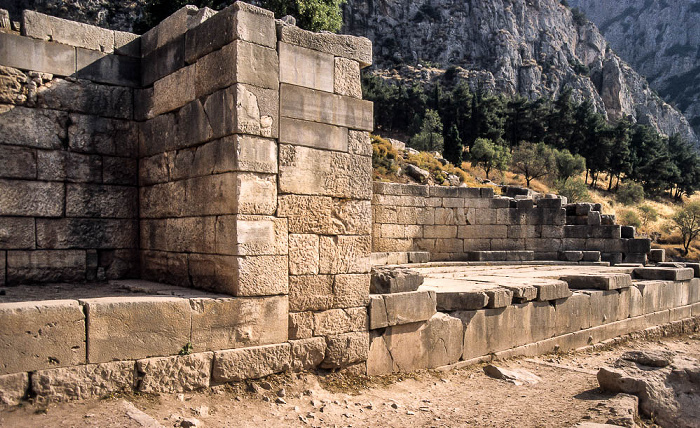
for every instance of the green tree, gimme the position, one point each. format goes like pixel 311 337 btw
pixel 454 150
pixel 429 138
pixel 630 218
pixel 575 190
pixel 647 215
pixel 652 165
pixel 684 156
pixel 489 155
pixel 560 121
pixel 533 160
pixel 630 193
pixel 568 165
pixel 619 158
pixel 687 222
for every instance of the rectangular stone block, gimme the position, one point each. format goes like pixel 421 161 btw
pixel 602 281
pixel 169 268
pixel 13 388
pixel 66 233
pixel 236 323
pixel 640 246
pixel 108 68
pixel 168 29
pixel 45 266
pixel 179 373
pixel 351 217
pixel 92 134
pixel 345 254
pixel 37 55
pixel 306 214
pixel 94 200
pixel 308 353
pixel 174 91
pixel 41 334
pixel 303 254
pixel 482 231
pixel 126 328
pixel 3 268
pixel 310 292
pixel 335 321
pixel 250 363
pixel 317 106
pixel 17 162
pixel 237 62
pixel 44 27
pixel 17 233
pixel 356 48
pixel 347 79
pixel 83 96
pixel 37 128
pixel 119 170
pixel 162 61
pixel 240 276
pixel 309 171
pixel 313 134
pixel 305 67
pixel 240 21
pixel 83 382
pixel 229 193
pixel 243 109
pixel 439 231
pixel 68 166
pixel 661 273
pixel 409 307
pixel 346 349
pixel 301 325
pixel 251 236
pixel 127 44
pixel 186 234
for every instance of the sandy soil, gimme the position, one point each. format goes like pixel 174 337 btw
pixel 566 395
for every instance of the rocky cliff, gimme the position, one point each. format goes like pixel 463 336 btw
pixel 528 47
pixel 661 40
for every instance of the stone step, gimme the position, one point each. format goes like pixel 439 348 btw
pixel 388 280
pixel 663 273
pixel 499 256
pixel 603 281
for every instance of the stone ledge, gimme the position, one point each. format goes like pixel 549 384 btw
pixel 351 47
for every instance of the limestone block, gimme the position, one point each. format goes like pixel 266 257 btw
pixel 250 363
pixel 477 245
pixel 169 268
pixel 602 281
pixel 346 349
pixel 392 245
pixel 119 170
pixel 499 297
pixel 591 256
pixel 87 97
pixel 37 128
pixel 309 171
pixel 83 382
pixel 694 291
pixel 13 388
pixel 359 143
pixel 543 245
pixel 310 292
pixel 17 233
pixel 439 231
pixel 378 317
pixel 335 321
pixel 347 78
pixel 240 21
pixel 657 255
pixel 69 166
pixel 245 109
pixel 45 27
pixel 482 231
pixel 308 353
pixel 251 235
pixel 162 61
pixel 381 188
pixel 231 193
pixel 239 276
pixel 573 313
pixel 92 134
pixel 108 68
pixel 303 254
pixel 409 307
pixel 306 214
pixel 460 300
pixel 155 201
pixel 351 290
pixel 521 292
pixel 174 374
pixel 17 162
pixel 174 91
pixel 66 233
pixel 45 266
pixel 235 323
pixel 344 254
pixel 94 200
pixel 356 48
pixel 351 217
pixel 167 30
pixel 301 325
pixel 394 280
pixel 313 134
pixel 127 44
pixel 606 306
pixel 641 246
pixel 41 334
pixel 656 295
pixel 237 62
pixel 524 231
pixel 37 55
pixel 551 289
pixel 317 106
pixel 136 327
pixel 305 67
pixel 3 267
pixel 660 273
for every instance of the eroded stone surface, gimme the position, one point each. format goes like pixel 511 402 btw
pixel 82 382
pixel 174 374
pixel 250 363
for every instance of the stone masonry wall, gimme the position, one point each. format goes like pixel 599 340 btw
pixel 459 223
pixel 68 167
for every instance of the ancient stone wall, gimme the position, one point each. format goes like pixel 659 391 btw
pixel 68 167
pixel 459 223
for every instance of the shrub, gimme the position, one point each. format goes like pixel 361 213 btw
pixel 384 156
pixel 647 215
pixel 630 218
pixel 630 193
pixel 489 155
pixel 575 190
pixel 687 222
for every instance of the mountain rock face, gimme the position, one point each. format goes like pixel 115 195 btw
pixel 528 47
pixel 660 39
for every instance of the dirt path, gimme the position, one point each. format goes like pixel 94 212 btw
pixel 566 395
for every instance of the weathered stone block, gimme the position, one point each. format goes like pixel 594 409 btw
pixel 136 327
pixel 670 274
pixel 309 171
pixel 37 128
pixel 305 67
pixel 551 289
pixel 245 109
pixel 250 363
pixel 174 91
pixel 68 166
pixel 303 254
pixel 344 254
pixel 351 217
pixel 394 280
pixel 356 48
pixel 83 382
pixel 45 266
pixel 92 134
pixel 66 233
pixel 174 374
pixel 111 69
pixel 350 290
pixel 36 55
pixel 251 235
pixel 172 27
pixel 409 307
pixel 313 134
pixel 346 80
pixel 162 61
pixel 94 200
pixel 235 323
pixel 231 193
pixel 240 276
pixel 460 301
pixel 346 349
pixel 306 214
pixel 45 27
pixel 359 143
pixel 13 388
pixel 482 231
pixel 335 321
pixel 657 255
pixel 119 170
pixel 307 354
pixel 301 325
pixel 499 297
pixel 41 334
pixel 237 62
pixel 310 292
pixel 169 268
pixel 606 306
pixel 317 106
pixel 573 313
pixel 17 162
pixel 87 97
pixel 640 246
pixel 240 21
pixel 600 281
pixel 17 233
pixel 127 44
